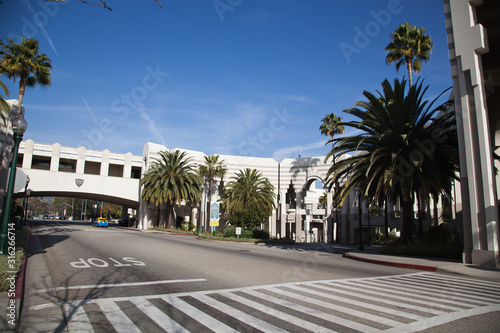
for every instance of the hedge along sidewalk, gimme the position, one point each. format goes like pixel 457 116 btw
pixel 12 285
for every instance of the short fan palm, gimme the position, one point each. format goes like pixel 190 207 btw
pixel 407 146
pixel 171 179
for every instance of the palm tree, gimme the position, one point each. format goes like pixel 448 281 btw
pixel 407 146
pixel 410 45
pixel 331 125
pixel 4 106
pixel 212 168
pixel 249 191
pixel 171 179
pixel 24 62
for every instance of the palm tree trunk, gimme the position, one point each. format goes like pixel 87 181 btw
pixel 170 214
pixel 408 65
pixel 407 231
pixel 420 227
pixel 22 89
pixel 386 220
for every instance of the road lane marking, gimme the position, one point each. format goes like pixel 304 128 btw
pixel 197 315
pixel 158 316
pixel 114 285
pixel 304 297
pixel 79 320
pixel 120 321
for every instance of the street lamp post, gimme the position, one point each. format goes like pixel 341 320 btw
pixel 25 207
pixel 19 126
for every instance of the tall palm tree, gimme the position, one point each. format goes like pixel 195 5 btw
pixel 249 190
pixel 24 61
pixel 331 125
pixel 212 168
pixel 410 45
pixel 171 179
pixel 407 146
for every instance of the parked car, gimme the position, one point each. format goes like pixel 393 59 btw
pixel 100 222
pixel 45 216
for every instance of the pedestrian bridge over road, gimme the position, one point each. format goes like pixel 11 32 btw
pixel 56 170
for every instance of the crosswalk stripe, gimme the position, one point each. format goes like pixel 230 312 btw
pixel 317 306
pixel 117 317
pixel 398 289
pixel 488 285
pixel 357 313
pixel 467 288
pixel 428 302
pixel 276 313
pixel 450 294
pixel 241 316
pixel 197 315
pixel 310 311
pixel 418 326
pixel 79 321
pixel 158 316
pixel 384 301
pixel 471 295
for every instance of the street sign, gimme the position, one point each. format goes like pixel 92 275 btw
pixel 214 223
pixel 238 230
pixel 214 212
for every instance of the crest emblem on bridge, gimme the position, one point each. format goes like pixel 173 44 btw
pixel 79 182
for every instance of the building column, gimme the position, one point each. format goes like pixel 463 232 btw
pixel 105 163
pixel 56 156
pixel 127 167
pixel 299 232
pixel 80 161
pixel 28 154
pixel 468 41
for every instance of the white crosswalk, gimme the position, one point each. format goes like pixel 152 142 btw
pixel 408 303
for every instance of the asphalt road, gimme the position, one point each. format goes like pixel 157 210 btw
pixel 83 279
pixel 79 255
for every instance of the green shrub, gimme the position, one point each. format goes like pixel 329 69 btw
pixel 260 234
pixel 230 231
pixel 21 238
pixel 380 238
pixel 436 242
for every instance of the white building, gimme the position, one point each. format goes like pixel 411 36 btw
pixel 474 49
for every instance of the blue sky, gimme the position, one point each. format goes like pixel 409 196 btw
pixel 238 77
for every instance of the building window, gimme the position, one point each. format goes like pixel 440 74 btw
pixel 20 158
pixel 67 165
pixel 92 168
pixel 40 162
pixel 115 170
pixel 135 173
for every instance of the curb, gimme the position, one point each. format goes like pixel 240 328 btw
pixel 391 263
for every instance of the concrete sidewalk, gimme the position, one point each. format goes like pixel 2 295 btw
pixel 373 255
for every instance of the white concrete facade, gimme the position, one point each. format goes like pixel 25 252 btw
pixel 298 214
pixel 474 45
